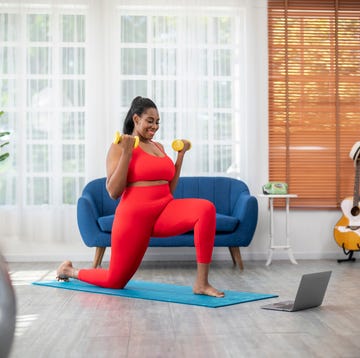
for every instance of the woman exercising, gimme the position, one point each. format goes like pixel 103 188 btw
pixel 145 178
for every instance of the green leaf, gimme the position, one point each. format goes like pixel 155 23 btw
pixel 4 156
pixel 4 133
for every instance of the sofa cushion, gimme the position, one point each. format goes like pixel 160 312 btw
pixel 224 223
pixel 105 222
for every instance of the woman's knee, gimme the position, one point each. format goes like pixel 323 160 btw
pixel 116 282
pixel 208 208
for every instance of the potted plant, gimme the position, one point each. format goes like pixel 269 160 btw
pixel 3 143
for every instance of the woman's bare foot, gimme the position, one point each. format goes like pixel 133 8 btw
pixel 207 290
pixel 65 271
pixel 202 285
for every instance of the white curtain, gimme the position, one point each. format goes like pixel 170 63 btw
pixel 68 72
pixel 187 56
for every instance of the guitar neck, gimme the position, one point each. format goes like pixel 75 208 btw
pixel 356 185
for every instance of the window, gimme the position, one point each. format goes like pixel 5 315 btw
pixel 188 62
pixel 314 96
pixel 42 81
pixel 186 59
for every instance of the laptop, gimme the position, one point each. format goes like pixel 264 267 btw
pixel 310 293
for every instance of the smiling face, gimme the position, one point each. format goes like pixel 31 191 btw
pixel 147 124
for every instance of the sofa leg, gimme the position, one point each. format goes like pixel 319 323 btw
pixel 236 256
pixel 99 254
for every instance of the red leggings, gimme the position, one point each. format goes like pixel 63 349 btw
pixel 144 212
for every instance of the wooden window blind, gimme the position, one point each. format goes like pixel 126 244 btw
pixel 314 98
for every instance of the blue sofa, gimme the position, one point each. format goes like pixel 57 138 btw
pixel 236 214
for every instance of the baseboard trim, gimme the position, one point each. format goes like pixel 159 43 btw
pixel 172 254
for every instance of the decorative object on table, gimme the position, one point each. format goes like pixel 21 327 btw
pixel 7 310
pixel 347 229
pixel 275 188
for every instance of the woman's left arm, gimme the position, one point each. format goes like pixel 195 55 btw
pixel 178 165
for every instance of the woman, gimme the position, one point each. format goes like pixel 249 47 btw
pixel 145 178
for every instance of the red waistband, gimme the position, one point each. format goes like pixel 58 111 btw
pixel 151 192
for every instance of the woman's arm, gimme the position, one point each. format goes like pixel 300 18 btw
pixel 178 165
pixel 117 164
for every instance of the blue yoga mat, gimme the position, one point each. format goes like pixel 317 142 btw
pixel 161 292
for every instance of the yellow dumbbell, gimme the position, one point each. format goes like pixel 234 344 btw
pixel 178 144
pixel 117 139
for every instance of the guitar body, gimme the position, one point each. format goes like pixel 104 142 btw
pixel 347 229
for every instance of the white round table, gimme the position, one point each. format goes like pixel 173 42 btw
pixel 273 246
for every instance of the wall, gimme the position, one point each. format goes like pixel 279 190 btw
pixel 310 233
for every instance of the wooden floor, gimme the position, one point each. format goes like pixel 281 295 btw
pixel 60 323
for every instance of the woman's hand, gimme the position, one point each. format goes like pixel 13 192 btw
pixel 128 143
pixel 187 145
pixel 181 145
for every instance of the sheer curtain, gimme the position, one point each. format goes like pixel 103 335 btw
pixel 43 83
pixel 186 55
pixel 68 72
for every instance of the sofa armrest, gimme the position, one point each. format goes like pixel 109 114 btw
pixel 242 206
pixel 87 215
pixel 246 210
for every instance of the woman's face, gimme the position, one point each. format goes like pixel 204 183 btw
pixel 147 124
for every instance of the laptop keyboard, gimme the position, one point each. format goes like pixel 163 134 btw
pixel 284 305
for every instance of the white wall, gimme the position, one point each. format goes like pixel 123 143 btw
pixel 310 231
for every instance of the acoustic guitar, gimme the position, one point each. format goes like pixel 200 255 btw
pixel 347 229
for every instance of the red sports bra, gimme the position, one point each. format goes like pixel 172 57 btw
pixel 146 167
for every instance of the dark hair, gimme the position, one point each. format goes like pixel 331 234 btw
pixel 138 106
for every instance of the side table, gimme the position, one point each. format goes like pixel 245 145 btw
pixel 287 245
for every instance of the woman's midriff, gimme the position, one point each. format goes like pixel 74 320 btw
pixel 148 183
